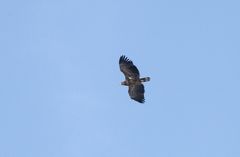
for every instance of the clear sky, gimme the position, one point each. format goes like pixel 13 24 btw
pixel 60 80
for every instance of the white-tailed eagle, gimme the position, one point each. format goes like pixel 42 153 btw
pixel 132 79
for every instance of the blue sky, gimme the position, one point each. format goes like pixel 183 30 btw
pixel 60 81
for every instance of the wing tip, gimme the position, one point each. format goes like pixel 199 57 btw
pixel 142 101
pixel 124 59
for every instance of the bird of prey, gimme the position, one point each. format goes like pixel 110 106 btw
pixel 132 79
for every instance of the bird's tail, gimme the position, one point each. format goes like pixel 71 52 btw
pixel 145 79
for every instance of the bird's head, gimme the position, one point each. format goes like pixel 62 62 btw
pixel 124 83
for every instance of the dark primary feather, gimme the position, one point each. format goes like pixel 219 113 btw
pixel 136 92
pixel 128 68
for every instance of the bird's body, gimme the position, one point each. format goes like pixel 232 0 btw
pixel 132 79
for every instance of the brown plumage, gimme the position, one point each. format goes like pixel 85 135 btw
pixel 132 79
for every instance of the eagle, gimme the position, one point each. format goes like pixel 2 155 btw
pixel 132 79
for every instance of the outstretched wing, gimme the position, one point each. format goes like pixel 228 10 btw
pixel 136 92
pixel 128 68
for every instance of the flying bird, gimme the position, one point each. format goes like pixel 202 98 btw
pixel 132 79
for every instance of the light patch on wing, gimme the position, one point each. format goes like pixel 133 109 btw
pixel 130 78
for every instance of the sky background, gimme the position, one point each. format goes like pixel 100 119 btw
pixel 60 80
